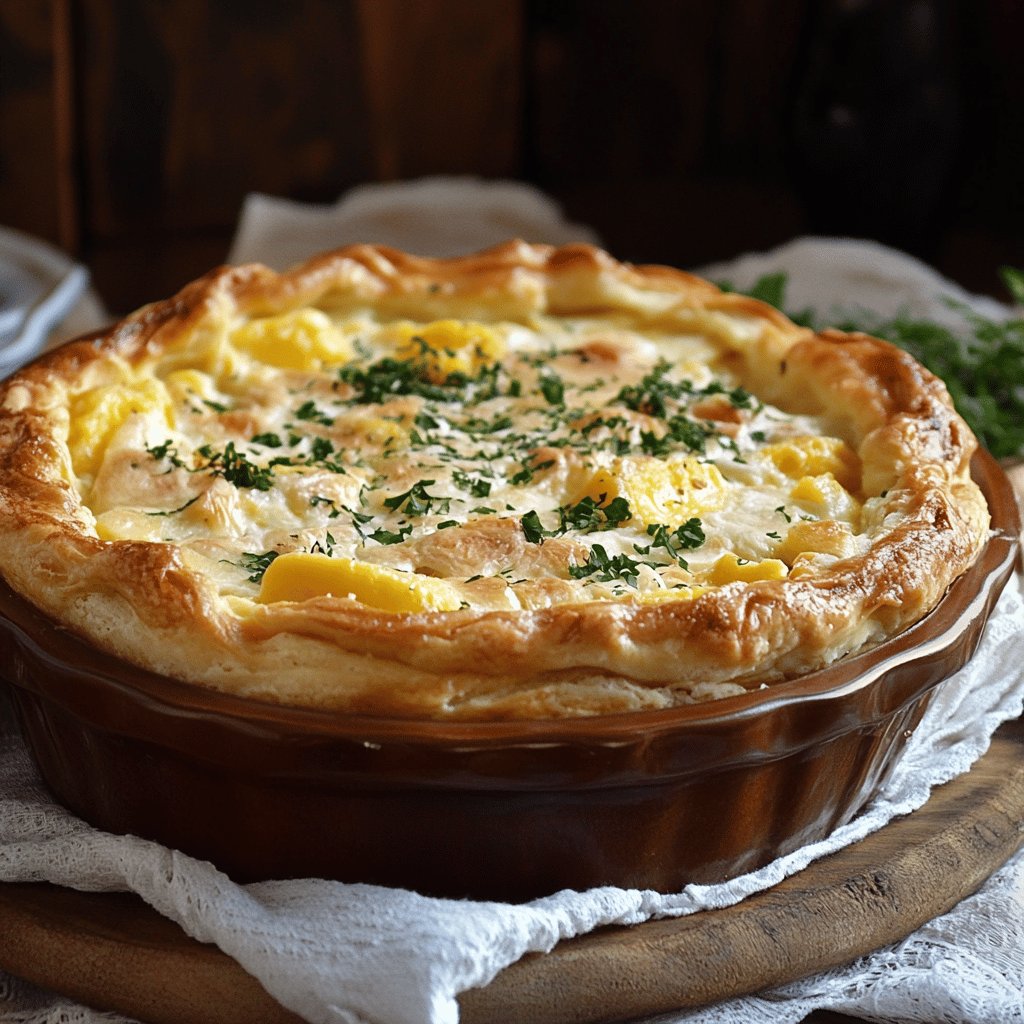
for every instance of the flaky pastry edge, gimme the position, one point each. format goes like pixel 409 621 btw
pixel 138 600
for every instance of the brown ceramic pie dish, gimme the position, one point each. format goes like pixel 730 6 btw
pixel 506 810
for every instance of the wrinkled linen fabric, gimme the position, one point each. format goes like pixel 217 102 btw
pixel 438 216
pixel 334 952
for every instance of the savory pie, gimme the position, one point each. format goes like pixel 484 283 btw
pixel 530 482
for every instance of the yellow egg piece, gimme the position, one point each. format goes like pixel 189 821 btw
pixel 825 495
pixel 669 595
pixel 813 456
pixel 731 569
pixel 304 339
pixel 824 536
pixel 182 383
pixel 448 346
pixel 299 576
pixel 97 414
pixel 127 524
pixel 668 492
pixel 380 432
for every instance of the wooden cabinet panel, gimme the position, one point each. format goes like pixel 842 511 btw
pixel 617 90
pixel 131 130
pixel 187 106
pixel 443 80
pixel 30 198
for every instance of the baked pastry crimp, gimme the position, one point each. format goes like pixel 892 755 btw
pixel 526 483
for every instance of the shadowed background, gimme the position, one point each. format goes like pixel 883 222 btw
pixel 131 130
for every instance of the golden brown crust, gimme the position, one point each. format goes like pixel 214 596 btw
pixel 562 654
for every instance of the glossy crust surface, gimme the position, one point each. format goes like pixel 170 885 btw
pixel 922 518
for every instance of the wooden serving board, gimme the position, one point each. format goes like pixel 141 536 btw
pixel 112 951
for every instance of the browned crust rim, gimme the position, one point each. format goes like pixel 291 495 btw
pixel 910 439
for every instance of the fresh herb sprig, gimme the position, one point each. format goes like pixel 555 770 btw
pixel 674 541
pixel 389 378
pixel 589 514
pixel 236 468
pixel 586 516
pixel 417 502
pixel 681 430
pixel 607 568
pixel 257 563
pixel 654 391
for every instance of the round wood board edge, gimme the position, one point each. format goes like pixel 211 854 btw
pixel 113 952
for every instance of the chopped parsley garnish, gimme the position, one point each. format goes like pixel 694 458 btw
pixel 173 511
pixel 417 502
pixel 383 536
pixel 319 499
pixel 525 475
pixel 600 421
pixel 321 448
pixel 588 515
pixel 607 568
pixel 236 468
pixel 731 445
pixel 166 451
pixel 533 529
pixel 357 517
pixel 477 486
pixel 652 393
pixel 267 440
pixel 681 431
pixel 475 425
pixel 742 399
pixel 325 548
pixel 257 564
pixel 310 413
pixel 388 377
pixel 320 451
pixel 553 388
pixel 683 538
pixel 425 421
pixel 652 396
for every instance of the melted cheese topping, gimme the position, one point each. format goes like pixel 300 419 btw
pixel 452 464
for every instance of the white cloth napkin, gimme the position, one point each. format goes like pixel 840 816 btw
pixel 358 953
pixel 429 217
pixel 837 275
pixel 44 296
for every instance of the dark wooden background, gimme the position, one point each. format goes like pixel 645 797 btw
pixel 683 130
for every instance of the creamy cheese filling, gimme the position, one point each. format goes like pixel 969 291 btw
pixel 434 466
